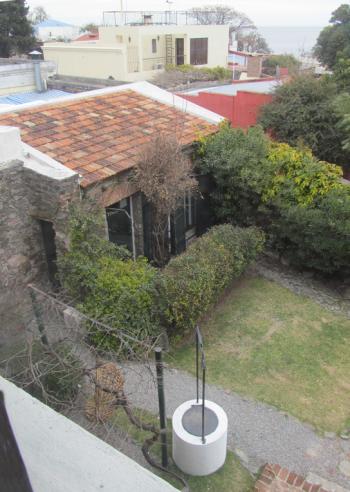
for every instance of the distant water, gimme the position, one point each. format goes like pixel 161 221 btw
pixel 290 39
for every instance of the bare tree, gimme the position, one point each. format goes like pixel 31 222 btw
pixel 252 42
pixel 164 174
pixel 222 14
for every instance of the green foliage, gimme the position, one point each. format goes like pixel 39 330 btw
pixel 298 200
pixel 16 31
pixel 192 282
pixel 108 285
pixel 123 295
pixel 286 61
pixel 235 159
pixel 87 245
pixel 302 113
pixel 334 40
pixel 317 237
pixel 207 73
pixel 298 176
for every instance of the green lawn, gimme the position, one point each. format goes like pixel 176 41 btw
pixel 232 477
pixel 280 348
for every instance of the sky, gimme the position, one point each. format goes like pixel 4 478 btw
pixel 262 12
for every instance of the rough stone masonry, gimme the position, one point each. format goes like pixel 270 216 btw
pixel 33 187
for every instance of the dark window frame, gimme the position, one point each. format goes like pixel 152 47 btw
pixel 199 51
pixel 154 45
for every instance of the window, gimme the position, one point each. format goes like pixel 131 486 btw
pixel 119 223
pixel 199 51
pixel 154 46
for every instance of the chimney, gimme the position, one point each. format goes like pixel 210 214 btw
pixel 39 83
pixel 147 19
pixel 10 144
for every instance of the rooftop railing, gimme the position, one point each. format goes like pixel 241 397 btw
pixel 149 17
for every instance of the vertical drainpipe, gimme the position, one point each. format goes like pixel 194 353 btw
pixel 132 228
pixel 36 58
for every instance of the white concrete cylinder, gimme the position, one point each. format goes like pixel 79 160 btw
pixel 189 453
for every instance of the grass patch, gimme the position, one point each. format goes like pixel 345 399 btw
pixel 268 343
pixel 232 477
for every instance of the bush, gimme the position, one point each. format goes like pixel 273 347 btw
pixel 205 73
pixel 316 237
pixel 193 281
pixel 298 200
pixel 107 285
pixel 123 296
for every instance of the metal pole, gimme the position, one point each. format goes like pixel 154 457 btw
pixel 197 362
pixel 161 400
pixel 203 399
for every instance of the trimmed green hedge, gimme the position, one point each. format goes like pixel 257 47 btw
pixel 193 281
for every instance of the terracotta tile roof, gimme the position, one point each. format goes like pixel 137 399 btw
pixel 102 135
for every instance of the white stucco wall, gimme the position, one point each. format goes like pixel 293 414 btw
pixel 19 77
pixel 95 60
pixel 60 456
pixel 133 46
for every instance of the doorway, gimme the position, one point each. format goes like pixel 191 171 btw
pixel 180 51
pixel 48 235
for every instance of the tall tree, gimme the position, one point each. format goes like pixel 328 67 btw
pixel 253 42
pixel 334 40
pixel 38 15
pixel 16 31
pixel 91 27
pixel 303 113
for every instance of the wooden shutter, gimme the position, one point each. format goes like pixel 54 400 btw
pixel 199 51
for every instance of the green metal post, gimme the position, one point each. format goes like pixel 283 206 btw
pixel 161 400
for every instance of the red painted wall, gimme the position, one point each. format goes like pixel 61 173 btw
pixel 219 103
pixel 241 110
pixel 246 108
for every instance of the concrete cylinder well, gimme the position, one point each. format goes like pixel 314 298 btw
pixel 190 454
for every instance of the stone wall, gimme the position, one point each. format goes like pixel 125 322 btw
pixel 27 196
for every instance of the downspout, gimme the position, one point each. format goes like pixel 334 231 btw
pixel 39 83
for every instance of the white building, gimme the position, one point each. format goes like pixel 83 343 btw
pixel 138 51
pixel 51 29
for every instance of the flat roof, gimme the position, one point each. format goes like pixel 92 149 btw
pixel 263 87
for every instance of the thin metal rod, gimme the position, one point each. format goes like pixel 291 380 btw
pixel 203 405
pixel 161 400
pixel 197 362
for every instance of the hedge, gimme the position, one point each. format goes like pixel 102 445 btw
pixel 300 202
pixel 193 282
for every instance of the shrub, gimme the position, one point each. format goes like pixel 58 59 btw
pixel 298 177
pixel 123 296
pixel 205 73
pixel 298 200
pixel 316 237
pixel 193 281
pixel 107 285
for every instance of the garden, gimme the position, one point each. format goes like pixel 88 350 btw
pixel 262 341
